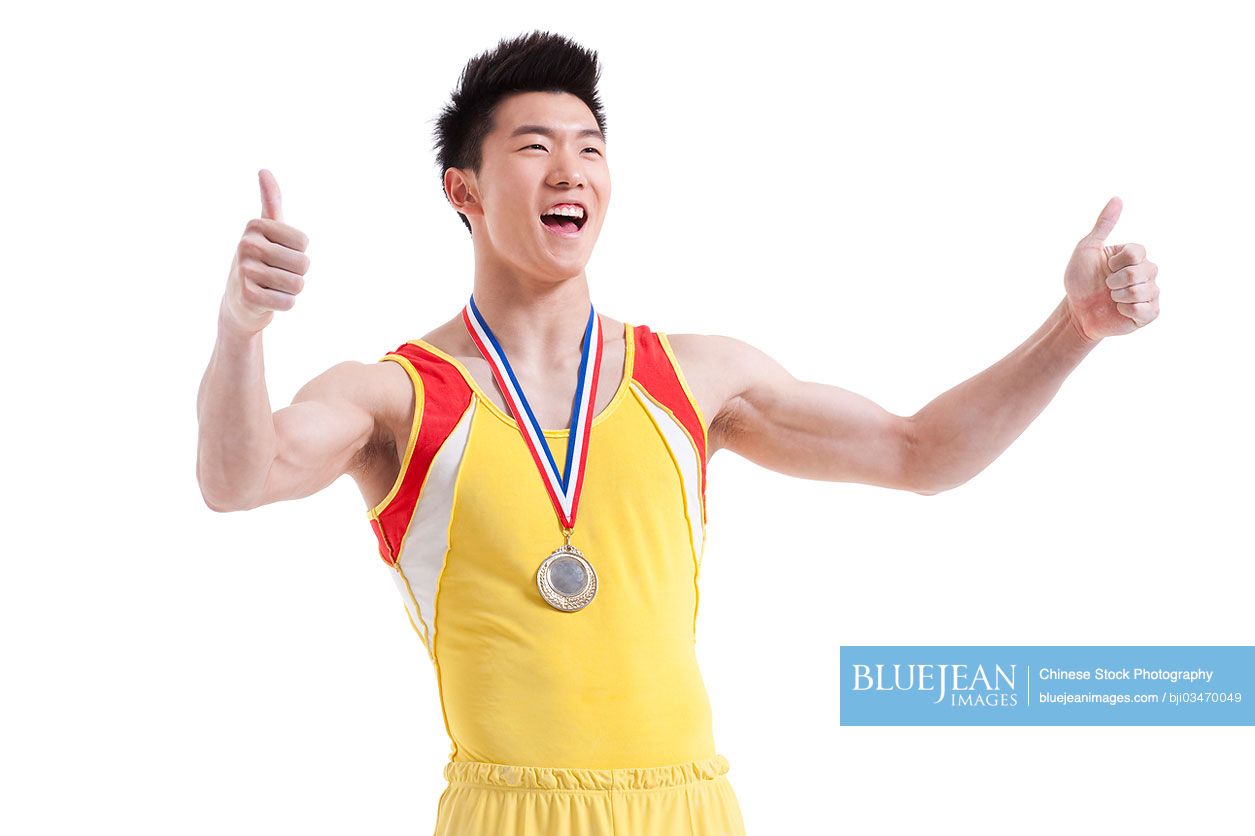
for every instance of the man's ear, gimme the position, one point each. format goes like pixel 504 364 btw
pixel 462 191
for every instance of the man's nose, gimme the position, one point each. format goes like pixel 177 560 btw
pixel 569 178
pixel 566 171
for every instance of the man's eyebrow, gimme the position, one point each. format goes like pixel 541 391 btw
pixel 550 132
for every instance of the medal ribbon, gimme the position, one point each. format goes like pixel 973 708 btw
pixel 564 488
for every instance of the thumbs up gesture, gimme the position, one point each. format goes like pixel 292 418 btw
pixel 270 261
pixel 1111 287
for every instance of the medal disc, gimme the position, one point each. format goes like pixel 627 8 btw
pixel 566 579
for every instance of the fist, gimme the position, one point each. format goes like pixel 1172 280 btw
pixel 269 265
pixel 1111 287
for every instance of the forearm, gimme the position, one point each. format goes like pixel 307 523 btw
pixel 237 434
pixel 962 430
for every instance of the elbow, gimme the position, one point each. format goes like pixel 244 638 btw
pixel 220 501
pixel 918 476
pixel 911 468
pixel 212 504
pixel 221 493
pixel 219 504
pixel 936 490
pixel 212 501
pixel 224 502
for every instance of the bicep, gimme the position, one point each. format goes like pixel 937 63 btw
pixel 812 430
pixel 320 436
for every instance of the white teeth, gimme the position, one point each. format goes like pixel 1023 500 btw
pixel 568 211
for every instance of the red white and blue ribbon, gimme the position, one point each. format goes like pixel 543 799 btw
pixel 563 486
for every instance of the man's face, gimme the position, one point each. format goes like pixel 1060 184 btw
pixel 545 149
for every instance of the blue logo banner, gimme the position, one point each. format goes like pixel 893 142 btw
pixel 1047 686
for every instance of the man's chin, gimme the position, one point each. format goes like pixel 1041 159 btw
pixel 560 263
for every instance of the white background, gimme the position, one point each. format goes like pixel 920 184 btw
pixel 881 198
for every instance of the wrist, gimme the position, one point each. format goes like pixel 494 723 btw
pixel 1074 331
pixel 230 329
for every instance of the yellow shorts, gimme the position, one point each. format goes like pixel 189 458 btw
pixel 492 799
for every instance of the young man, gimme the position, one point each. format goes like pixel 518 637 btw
pixel 534 471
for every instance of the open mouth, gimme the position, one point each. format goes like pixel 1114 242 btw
pixel 564 224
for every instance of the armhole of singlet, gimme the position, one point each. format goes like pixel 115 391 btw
pixel 417 421
pixel 679 373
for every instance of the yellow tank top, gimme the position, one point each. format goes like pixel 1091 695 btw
pixel 468 521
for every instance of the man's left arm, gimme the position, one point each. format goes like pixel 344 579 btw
pixel 818 431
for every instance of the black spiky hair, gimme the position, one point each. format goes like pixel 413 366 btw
pixel 535 62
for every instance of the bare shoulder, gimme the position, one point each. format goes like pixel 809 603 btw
pixel 385 390
pixel 719 369
pixel 380 389
pixel 390 391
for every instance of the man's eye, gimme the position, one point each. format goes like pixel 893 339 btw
pixel 543 148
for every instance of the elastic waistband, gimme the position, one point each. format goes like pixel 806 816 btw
pixel 561 778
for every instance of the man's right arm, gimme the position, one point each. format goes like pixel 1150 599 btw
pixel 247 456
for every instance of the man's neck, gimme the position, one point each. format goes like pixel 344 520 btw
pixel 537 325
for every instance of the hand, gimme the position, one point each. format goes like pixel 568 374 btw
pixel 266 273
pixel 1111 289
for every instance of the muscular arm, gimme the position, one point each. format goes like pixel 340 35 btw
pixel 817 431
pixel 248 457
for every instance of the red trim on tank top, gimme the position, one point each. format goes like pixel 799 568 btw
pixel 446 397
pixel 658 376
